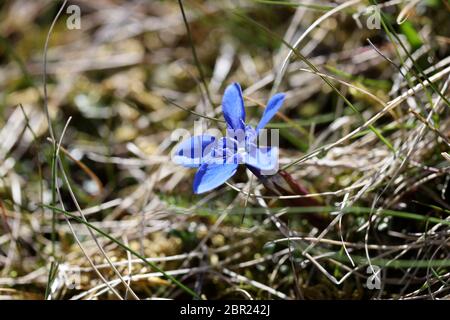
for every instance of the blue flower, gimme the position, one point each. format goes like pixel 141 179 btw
pixel 218 158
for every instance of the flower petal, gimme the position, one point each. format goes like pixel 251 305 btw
pixel 210 176
pixel 193 152
pixel 233 107
pixel 263 159
pixel 271 109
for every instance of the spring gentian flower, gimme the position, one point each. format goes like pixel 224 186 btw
pixel 218 158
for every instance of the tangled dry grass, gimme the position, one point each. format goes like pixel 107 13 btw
pixel 365 129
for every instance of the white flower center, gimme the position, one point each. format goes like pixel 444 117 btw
pixel 241 151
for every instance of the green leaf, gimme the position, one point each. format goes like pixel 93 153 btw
pixel 411 34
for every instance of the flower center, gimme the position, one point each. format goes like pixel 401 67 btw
pixel 241 151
